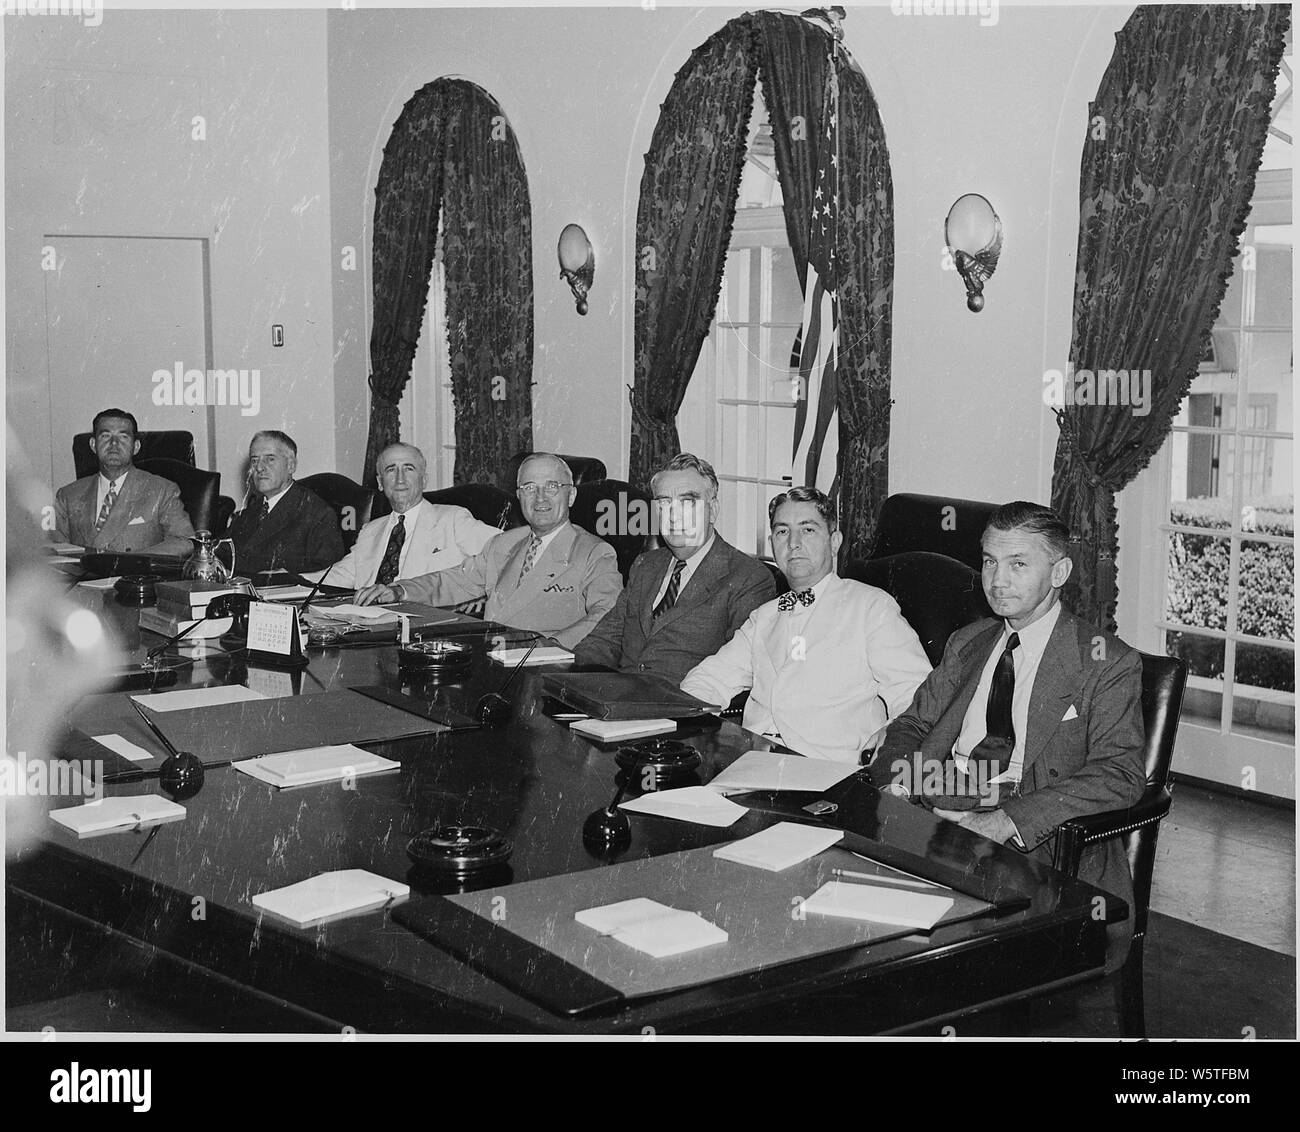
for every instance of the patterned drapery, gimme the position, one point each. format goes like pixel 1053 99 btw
pixel 1174 139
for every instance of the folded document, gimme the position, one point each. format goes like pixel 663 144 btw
pixel 696 804
pixel 651 927
pixel 330 896
pixel 780 846
pixel 768 770
pixel 114 815
pixel 315 764
pixel 881 905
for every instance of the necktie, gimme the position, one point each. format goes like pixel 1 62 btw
pixel 263 510
pixel 531 557
pixel 104 511
pixel 787 601
pixel 392 553
pixel 669 599
pixel 997 746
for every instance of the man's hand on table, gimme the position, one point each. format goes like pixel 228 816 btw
pixel 372 595
pixel 993 824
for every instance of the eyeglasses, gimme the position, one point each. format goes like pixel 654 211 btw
pixel 550 488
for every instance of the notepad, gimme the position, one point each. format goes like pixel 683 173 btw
pixel 696 804
pixel 124 747
pixel 879 904
pixel 314 765
pixel 116 815
pixel 768 770
pixel 780 846
pixel 350 611
pixel 652 928
pixel 198 697
pixel 550 654
pixel 100 583
pixel 614 730
pixel 285 593
pixel 331 896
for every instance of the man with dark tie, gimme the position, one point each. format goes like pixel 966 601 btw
pixel 416 537
pixel 283 526
pixel 685 600
pixel 549 576
pixel 830 662
pixel 121 508
pixel 1032 717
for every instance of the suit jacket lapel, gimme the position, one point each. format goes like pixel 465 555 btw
pixel 972 659
pixel 120 516
pixel 1055 686
pixel 550 562
pixel 87 512
pixel 708 575
pixel 645 596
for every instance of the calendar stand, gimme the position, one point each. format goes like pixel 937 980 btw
pixel 274 636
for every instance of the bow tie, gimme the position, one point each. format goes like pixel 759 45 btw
pixel 787 601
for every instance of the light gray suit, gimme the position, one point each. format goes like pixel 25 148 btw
pixel 148 517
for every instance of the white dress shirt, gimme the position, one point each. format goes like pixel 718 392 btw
pixel 1025 658
pixel 691 563
pixel 272 500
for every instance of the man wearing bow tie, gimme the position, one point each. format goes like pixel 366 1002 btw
pixel 828 664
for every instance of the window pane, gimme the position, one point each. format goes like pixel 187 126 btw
pixel 728 512
pixel 737 364
pixel 1266 593
pixel 780 441
pixel 1267 484
pixel 1196 585
pixel 1268 373
pixel 1272 286
pixel 1259 666
pixel 787 298
pixel 739 440
pixel 1230 312
pixel 747 528
pixel 1200 483
pixel 1204 655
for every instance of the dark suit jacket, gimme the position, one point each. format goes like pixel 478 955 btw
pixel 1087 763
pixel 301 533
pixel 148 517
pixel 724 590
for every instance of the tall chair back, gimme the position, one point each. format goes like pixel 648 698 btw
pixel 200 492
pixel 617 512
pixel 352 503
pixel 485 501
pixel 935 523
pixel 170 444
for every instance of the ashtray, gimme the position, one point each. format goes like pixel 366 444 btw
pixel 137 589
pixel 459 850
pixel 668 760
pixel 435 656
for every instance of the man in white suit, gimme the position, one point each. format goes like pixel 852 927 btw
pixel 828 664
pixel 418 536
pixel 549 576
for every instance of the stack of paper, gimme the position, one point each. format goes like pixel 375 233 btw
pixel 330 896
pixel 197 697
pixel 365 615
pixel 115 815
pixel 550 654
pixel 315 764
pixel 696 804
pixel 651 927
pixel 284 593
pixel 768 770
pixel 780 846
pixel 880 904
pixel 65 548
pixel 616 730
pixel 100 583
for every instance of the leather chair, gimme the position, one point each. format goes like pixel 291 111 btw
pixel 486 502
pixel 352 503
pixel 1163 680
pixel 937 594
pixel 617 512
pixel 174 444
pixel 207 509
pixel 585 469
pixel 782 585
pixel 935 523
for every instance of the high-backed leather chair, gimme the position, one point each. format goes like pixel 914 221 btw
pixel 352 503
pixel 935 523
pixel 585 469
pixel 617 512
pixel 936 594
pixel 170 444
pixel 1164 679
pixel 486 502
pixel 200 493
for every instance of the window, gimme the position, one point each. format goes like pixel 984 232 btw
pixel 738 412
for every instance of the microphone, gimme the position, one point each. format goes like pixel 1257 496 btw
pixel 493 709
pixel 315 589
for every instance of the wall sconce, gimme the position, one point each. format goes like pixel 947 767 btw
pixel 974 236
pixel 577 263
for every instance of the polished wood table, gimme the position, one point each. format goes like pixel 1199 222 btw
pixel 184 889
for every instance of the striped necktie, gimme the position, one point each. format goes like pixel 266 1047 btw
pixel 392 553
pixel 530 558
pixel 107 508
pixel 669 599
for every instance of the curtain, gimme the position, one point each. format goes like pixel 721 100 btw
pixel 452 150
pixel 683 228
pixel 1175 136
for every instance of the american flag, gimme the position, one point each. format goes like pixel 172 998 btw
pixel 816 422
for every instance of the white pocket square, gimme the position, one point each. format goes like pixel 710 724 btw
pixel 137 519
pixel 1073 713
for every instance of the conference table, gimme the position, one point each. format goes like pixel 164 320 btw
pixel 185 888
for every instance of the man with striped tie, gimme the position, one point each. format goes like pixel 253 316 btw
pixel 121 508
pixel 828 664
pixel 686 599
pixel 549 576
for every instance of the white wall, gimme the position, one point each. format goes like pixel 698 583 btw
pixel 98 140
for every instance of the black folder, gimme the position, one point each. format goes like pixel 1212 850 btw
pixel 623 695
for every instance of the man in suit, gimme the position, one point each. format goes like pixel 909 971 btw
pixel 828 664
pixel 283 526
pixel 121 508
pixel 415 538
pixel 685 600
pixel 549 576
pixel 1032 717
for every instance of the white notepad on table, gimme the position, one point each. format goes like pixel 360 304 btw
pixel 198 697
pixel 285 593
pixel 651 927
pixel 100 583
pixel 615 730
pixel 315 764
pixel 877 903
pixel 780 846
pixel 118 814
pixel 124 747
pixel 350 611
pixel 769 770
pixel 330 896
pixel 550 654
pixel 696 804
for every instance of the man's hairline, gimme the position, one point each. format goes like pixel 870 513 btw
pixel 712 490
pixel 379 460
pixel 555 460
pixel 1047 542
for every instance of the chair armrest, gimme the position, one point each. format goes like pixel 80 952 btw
pixel 1073 835
pixel 736 708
